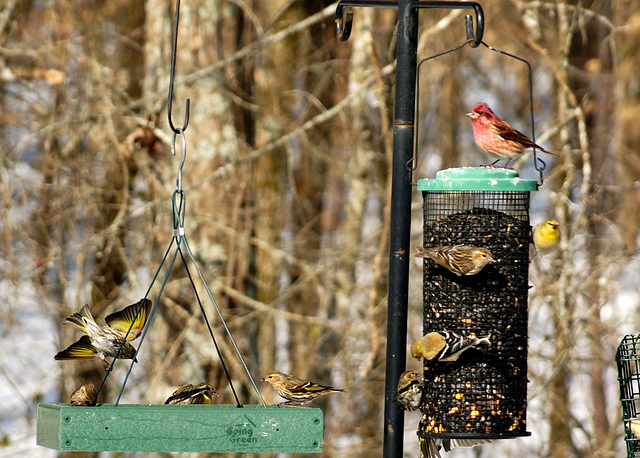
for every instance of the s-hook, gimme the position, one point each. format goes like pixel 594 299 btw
pixel 171 80
pixel 344 19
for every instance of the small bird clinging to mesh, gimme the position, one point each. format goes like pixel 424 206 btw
pixel 445 346
pixel 409 391
pixel 104 341
pixel 546 236
pixel 430 448
pixel 193 394
pixel 497 137
pixel 459 259
pixel 85 396
pixel 296 390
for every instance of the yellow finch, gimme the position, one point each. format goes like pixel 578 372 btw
pixel 296 390
pixel 193 394
pixel 546 236
pixel 102 342
pixel 445 346
pixel 459 259
pixel 409 391
pixel 84 396
pixel 430 448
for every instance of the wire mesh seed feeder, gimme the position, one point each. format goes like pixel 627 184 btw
pixel 239 428
pixel 628 360
pixel 483 395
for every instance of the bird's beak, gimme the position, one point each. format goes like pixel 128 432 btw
pixel 263 379
pixel 472 115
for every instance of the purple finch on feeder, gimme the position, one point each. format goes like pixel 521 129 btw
pixel 193 394
pixel 445 346
pixel 459 259
pixel 85 396
pixel 296 390
pixel 102 342
pixel 409 391
pixel 497 137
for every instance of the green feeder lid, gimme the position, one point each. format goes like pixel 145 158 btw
pixel 477 179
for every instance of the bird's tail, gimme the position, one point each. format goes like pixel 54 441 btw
pixel 80 319
pixel 428 448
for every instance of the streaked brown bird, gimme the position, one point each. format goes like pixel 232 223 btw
pixel 193 394
pixel 409 390
pixel 430 448
pixel 85 396
pixel 102 342
pixel 445 346
pixel 459 259
pixel 296 390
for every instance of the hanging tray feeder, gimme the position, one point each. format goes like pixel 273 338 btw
pixel 180 428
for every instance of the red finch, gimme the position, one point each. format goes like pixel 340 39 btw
pixel 497 137
pixel 193 394
pixel 296 390
pixel 459 259
pixel 104 341
pixel 409 391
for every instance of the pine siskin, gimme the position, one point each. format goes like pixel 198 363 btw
pixel 193 394
pixel 430 448
pixel 296 390
pixel 459 259
pixel 445 346
pixel 103 342
pixel 84 396
pixel 497 137
pixel 409 391
pixel 546 236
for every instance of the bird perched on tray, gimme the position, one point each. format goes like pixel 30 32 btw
pixel 546 236
pixel 104 341
pixel 445 346
pixel 296 390
pixel 193 394
pixel 409 391
pixel 85 396
pixel 459 259
pixel 430 448
pixel 497 137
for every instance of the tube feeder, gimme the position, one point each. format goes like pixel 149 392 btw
pixel 482 395
pixel 628 360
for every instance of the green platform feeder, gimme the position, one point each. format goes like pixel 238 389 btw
pixel 180 428
pixel 628 360
pixel 483 395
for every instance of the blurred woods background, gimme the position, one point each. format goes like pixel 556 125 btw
pixel 287 186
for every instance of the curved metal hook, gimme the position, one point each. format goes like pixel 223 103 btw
pixel 344 20
pixel 172 76
pixel 184 155
pixel 477 36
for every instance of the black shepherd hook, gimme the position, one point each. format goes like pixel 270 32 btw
pixel 172 77
pixel 344 19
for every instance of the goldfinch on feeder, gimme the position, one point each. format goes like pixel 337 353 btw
pixel 104 341
pixel 546 236
pixel 193 394
pixel 459 259
pixel 85 396
pixel 296 390
pixel 445 346
pixel 409 391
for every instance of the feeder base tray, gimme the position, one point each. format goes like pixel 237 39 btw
pixel 180 428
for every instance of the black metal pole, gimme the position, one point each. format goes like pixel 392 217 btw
pixel 399 250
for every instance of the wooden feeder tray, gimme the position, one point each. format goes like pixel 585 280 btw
pixel 180 428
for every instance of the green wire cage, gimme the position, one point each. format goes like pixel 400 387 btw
pixel 483 395
pixel 628 360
